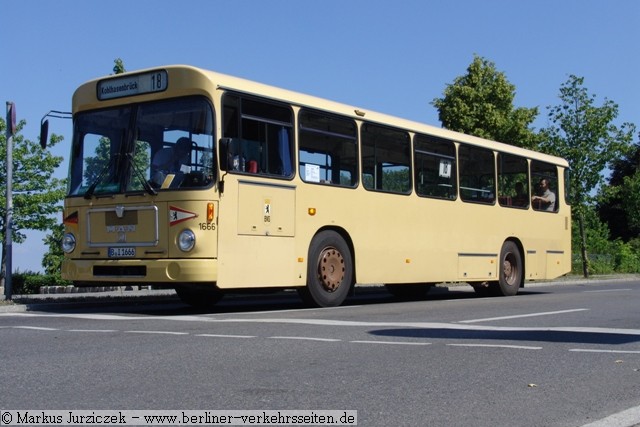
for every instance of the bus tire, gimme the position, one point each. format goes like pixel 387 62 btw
pixel 199 296
pixel 511 269
pixel 329 270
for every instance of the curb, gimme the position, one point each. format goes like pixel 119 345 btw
pixel 74 290
pixel 62 297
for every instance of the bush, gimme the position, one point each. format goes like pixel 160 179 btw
pixel 30 282
pixel 598 263
pixel 627 258
pixel 612 257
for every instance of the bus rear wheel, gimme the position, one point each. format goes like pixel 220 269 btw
pixel 511 269
pixel 329 271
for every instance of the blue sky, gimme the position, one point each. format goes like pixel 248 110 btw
pixel 393 56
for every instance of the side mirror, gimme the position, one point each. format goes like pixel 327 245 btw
pixel 44 133
pixel 224 153
pixel 44 125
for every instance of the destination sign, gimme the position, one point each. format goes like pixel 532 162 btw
pixel 137 84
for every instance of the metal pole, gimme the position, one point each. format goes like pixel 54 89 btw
pixel 11 120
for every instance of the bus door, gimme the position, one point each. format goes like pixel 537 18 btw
pixel 257 209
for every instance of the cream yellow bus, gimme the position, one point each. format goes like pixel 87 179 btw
pixel 206 183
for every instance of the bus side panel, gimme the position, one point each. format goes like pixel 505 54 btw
pixel 396 238
pixel 257 235
pixel 534 269
pixel 477 266
pixel 413 239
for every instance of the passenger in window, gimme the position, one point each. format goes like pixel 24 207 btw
pixel 521 198
pixel 171 161
pixel 546 199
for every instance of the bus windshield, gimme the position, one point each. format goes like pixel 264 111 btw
pixel 149 147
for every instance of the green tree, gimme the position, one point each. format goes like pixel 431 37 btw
pixel 118 67
pixel 631 201
pixel 585 135
pixel 619 202
pixel 480 103
pixel 52 261
pixel 36 193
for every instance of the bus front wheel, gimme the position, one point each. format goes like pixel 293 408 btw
pixel 329 271
pixel 511 269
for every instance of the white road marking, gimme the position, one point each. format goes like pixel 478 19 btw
pixel 518 316
pixel 292 310
pixel 390 342
pixel 629 417
pixel 635 332
pixel 519 347
pixel 341 323
pixel 306 338
pixel 225 336
pixel 607 290
pixel 592 350
pixel 157 332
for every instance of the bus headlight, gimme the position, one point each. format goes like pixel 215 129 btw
pixel 186 240
pixel 68 243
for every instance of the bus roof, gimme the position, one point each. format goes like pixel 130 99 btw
pixel 188 80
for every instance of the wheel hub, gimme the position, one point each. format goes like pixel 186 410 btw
pixel 331 269
pixel 509 270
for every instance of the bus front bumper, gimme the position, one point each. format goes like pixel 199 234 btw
pixel 161 271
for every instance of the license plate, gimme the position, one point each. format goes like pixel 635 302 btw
pixel 122 252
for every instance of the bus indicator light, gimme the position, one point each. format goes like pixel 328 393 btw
pixel 312 211
pixel 210 212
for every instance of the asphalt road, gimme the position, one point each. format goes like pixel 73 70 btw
pixel 555 355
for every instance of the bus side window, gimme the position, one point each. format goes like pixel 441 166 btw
pixel 477 172
pixel 544 179
pixel 386 159
pixel 328 149
pixel 435 167
pixel 513 181
pixel 257 136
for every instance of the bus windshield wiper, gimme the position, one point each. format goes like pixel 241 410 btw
pixel 140 176
pixel 92 188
